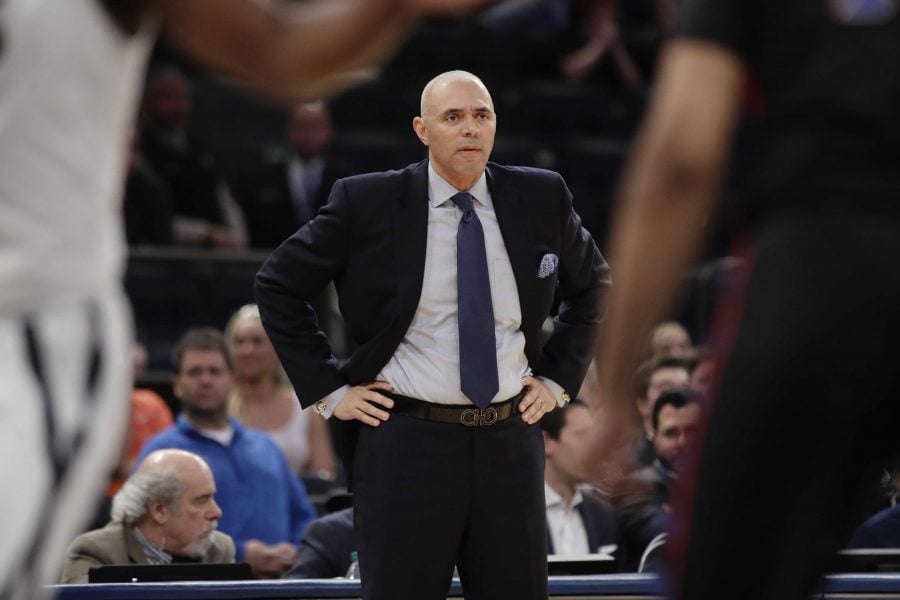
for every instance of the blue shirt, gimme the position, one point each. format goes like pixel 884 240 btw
pixel 260 496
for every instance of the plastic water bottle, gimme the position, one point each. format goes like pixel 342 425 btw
pixel 353 571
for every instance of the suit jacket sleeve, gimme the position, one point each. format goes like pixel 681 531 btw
pixel 315 557
pixel 325 549
pixel 92 549
pixel 583 280
pixel 80 558
pixel 294 274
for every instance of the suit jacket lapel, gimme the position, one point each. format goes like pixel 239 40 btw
pixel 410 228
pixel 410 217
pixel 515 226
pixel 590 525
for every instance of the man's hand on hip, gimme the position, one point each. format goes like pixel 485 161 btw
pixel 537 401
pixel 362 402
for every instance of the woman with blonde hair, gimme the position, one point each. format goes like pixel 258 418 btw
pixel 264 399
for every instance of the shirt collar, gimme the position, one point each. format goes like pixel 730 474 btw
pixel 306 164
pixel 155 556
pixel 440 190
pixel 552 498
pixel 186 426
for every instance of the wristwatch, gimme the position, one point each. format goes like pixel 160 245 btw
pixel 320 407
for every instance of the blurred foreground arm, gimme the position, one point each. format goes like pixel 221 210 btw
pixel 668 190
pixel 295 51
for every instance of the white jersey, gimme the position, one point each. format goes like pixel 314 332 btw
pixel 69 81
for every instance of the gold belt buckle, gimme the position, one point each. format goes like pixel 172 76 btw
pixel 478 417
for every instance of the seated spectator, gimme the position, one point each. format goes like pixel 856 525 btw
pixel 205 212
pixel 166 512
pixel 676 416
pixel 653 378
pixel 147 202
pixel 264 503
pixel 602 39
pixel 670 339
pixel 293 184
pixel 264 399
pixel 577 521
pixel 325 547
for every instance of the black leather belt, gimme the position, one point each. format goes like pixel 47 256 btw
pixel 465 414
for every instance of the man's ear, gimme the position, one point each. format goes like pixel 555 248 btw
pixel 158 511
pixel 641 403
pixel 420 129
pixel 549 444
pixel 176 386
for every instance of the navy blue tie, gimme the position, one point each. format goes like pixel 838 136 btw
pixel 477 341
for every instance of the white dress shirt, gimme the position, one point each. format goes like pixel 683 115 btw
pixel 304 178
pixel 565 524
pixel 426 363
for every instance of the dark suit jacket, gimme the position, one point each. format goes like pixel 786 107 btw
pixel 370 240
pixel 117 545
pixel 265 200
pixel 325 547
pixel 600 522
pixel 190 174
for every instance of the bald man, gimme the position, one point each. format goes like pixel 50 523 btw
pixel 446 271
pixel 166 512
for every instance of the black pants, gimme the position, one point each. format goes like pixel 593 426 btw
pixel 428 496
pixel 807 415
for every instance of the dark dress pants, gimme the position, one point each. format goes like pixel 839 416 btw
pixel 807 415
pixel 428 496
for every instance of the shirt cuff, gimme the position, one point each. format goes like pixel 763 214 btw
pixel 333 399
pixel 556 389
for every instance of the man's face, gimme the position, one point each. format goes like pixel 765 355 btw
pixel 661 379
pixel 703 375
pixel 565 452
pixel 310 130
pixel 675 433
pixel 169 102
pixel 673 343
pixel 203 382
pixel 666 379
pixel 458 126
pixel 195 515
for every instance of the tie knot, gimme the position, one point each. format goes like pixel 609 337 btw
pixel 464 201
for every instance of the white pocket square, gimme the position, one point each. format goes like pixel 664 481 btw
pixel 548 266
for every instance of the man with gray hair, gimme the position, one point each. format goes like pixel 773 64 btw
pixel 166 512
